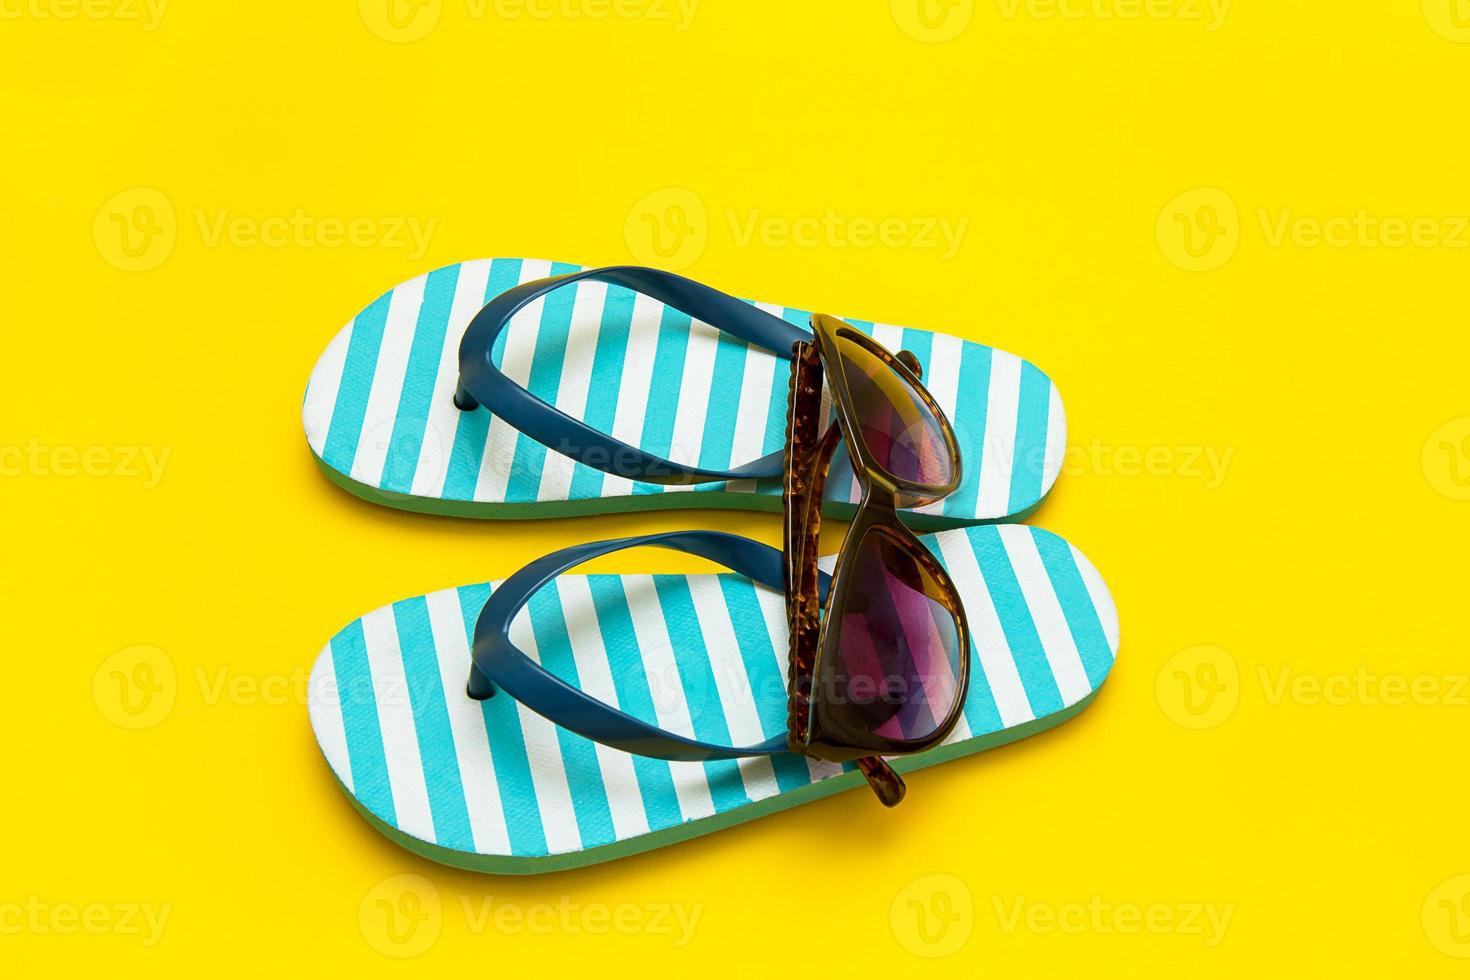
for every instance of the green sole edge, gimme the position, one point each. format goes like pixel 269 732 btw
pixel 502 865
pixel 633 503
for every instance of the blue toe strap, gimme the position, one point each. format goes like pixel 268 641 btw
pixel 481 382
pixel 499 663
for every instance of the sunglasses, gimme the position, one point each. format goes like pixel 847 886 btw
pixel 879 649
pixel 884 669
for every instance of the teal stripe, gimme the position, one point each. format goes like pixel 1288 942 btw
pixel 545 379
pixel 981 713
pixel 761 670
pixel 630 680
pixel 663 389
pixel 1082 618
pixel 473 429
pixel 418 381
pixel 727 788
pixel 1015 619
pixel 579 755
pixel 507 750
pixel 607 382
pixel 724 404
pixel 431 723
pixel 1030 450
pixel 971 402
pixel 357 383
pixel 358 699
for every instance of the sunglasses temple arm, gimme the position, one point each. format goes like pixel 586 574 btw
pixel 885 781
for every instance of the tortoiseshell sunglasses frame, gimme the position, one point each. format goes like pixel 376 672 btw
pixel 814 647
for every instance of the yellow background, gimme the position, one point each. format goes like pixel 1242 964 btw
pixel 1076 144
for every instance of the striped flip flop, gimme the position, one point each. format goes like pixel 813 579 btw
pixel 491 786
pixel 380 418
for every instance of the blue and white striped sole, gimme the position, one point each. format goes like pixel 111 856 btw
pixel 494 787
pixel 379 415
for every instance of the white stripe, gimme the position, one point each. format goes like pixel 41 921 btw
pixel 960 732
pixel 395 718
pixel 594 674
pixel 737 701
pixel 999 445
pixel 694 392
pixel 1046 613
pixel 670 708
pixel 467 726
pixel 773 610
pixel 324 706
pixel 443 420
pixel 515 363
pixel 543 752
pixel 989 637
pixel 1102 599
pixel 749 445
pixel 889 335
pixel 1056 440
pixel 576 379
pixel 633 386
pixel 763 372
pixel 321 390
pixel 382 404
pixel 942 380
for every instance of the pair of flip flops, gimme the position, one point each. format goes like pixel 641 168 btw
pixel 492 786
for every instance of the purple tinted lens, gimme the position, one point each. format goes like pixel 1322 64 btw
pixel 897 671
pixel 900 432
